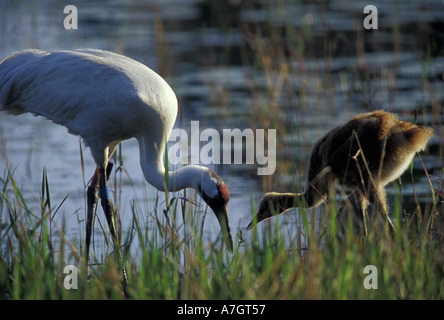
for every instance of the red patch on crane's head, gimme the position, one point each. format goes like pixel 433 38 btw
pixel 223 192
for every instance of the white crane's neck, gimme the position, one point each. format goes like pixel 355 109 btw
pixel 152 163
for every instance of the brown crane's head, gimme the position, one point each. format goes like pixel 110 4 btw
pixel 272 204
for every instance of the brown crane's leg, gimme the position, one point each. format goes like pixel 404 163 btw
pixel 378 199
pixel 381 203
pixel 363 208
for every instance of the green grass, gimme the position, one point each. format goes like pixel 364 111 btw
pixel 172 262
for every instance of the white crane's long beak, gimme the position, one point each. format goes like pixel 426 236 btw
pixel 222 216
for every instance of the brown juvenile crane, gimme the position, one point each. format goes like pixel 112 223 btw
pixel 365 154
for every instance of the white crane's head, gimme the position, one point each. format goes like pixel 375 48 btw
pixel 214 192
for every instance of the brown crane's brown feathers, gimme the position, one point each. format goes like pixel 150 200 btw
pixel 369 151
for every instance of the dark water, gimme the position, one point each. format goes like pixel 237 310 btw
pixel 300 67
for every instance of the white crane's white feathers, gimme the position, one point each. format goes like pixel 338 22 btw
pixel 105 98
pixel 71 88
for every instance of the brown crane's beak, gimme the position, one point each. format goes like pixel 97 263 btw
pixel 222 216
pixel 260 216
pixel 250 225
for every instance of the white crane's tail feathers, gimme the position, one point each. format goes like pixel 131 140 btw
pixel 4 93
pixel 11 68
pixel 6 81
pixel 5 105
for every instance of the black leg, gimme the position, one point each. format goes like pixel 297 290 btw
pixel 106 203
pixel 92 199
pixel 108 210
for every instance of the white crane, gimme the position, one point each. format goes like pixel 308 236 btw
pixel 106 98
